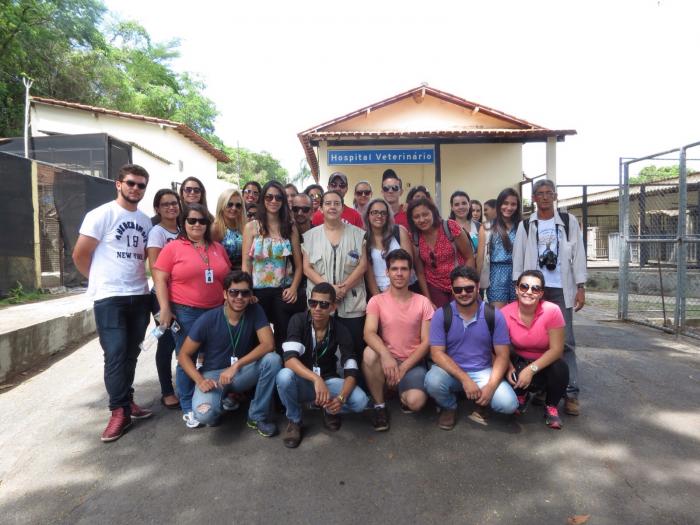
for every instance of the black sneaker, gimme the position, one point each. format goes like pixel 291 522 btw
pixel 380 419
pixel 332 421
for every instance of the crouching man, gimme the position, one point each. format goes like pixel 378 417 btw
pixel 311 373
pixel 462 345
pixel 237 344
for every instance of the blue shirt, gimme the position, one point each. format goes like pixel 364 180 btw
pixel 469 341
pixel 217 337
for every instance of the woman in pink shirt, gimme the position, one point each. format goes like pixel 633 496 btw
pixel 536 329
pixel 188 276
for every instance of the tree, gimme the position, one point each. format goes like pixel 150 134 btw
pixel 652 173
pixel 251 166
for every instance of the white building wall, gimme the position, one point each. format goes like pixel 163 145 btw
pixel 185 157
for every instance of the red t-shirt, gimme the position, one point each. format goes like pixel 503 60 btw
pixel 349 216
pixel 437 268
pixel 186 266
pixel 401 218
pixel 532 342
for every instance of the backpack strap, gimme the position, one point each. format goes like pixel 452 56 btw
pixel 451 238
pixel 490 316
pixel 564 218
pixel 526 225
pixel 397 234
pixel 447 319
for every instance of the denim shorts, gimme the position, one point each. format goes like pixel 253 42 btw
pixel 413 379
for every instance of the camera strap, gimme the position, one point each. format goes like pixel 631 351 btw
pixel 537 237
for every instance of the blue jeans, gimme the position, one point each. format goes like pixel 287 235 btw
pixel 294 391
pixel 556 296
pixel 186 316
pixel 442 387
pixel 121 325
pixel 260 374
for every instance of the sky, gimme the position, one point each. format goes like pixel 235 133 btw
pixel 621 73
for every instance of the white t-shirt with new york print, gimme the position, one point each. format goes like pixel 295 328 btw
pixel 118 263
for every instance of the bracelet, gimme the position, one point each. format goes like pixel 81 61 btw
pixel 341 398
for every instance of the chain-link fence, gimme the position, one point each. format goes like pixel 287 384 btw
pixel 659 244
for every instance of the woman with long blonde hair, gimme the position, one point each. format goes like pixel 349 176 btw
pixel 229 224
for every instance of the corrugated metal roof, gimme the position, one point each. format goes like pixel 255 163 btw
pixel 181 128
pixel 525 130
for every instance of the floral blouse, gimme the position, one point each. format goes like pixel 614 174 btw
pixel 233 243
pixel 271 262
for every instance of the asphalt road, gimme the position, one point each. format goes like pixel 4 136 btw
pixel 633 456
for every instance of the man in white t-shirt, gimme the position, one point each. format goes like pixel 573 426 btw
pixel 111 253
pixel 397 330
pixel 553 244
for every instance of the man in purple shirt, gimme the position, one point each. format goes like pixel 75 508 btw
pixel 463 356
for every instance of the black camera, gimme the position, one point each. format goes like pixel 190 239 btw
pixel 548 260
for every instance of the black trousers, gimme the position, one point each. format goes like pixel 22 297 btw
pixel 553 379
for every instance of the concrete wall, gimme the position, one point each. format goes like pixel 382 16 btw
pixel 644 281
pixel 184 158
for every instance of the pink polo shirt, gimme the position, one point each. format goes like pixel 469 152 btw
pixel 532 342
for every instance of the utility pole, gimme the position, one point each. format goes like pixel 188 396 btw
pixel 27 85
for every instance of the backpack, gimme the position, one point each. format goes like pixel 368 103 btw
pixel 564 218
pixel 448 234
pixel 489 316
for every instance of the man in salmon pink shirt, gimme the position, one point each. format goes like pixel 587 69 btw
pixel 397 331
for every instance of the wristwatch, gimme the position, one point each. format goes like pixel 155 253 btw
pixel 534 368
pixel 341 399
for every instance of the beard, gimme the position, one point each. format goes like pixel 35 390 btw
pixel 467 302
pixel 126 197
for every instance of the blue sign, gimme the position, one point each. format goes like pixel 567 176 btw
pixel 351 157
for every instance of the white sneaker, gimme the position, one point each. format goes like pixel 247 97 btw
pixel 229 405
pixel 190 421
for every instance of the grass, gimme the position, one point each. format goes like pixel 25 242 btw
pixel 18 295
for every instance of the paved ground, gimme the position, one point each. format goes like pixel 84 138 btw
pixel 632 457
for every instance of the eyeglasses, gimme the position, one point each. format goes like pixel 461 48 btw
pixel 458 290
pixel 236 292
pixel 251 192
pixel 545 194
pixel 171 204
pixel 379 213
pixel 192 221
pixel 339 185
pixel 273 197
pixel 363 193
pixel 236 205
pixel 314 303
pixel 301 209
pixel 534 288
pixel 192 189
pixel 132 183
pixel 251 214
pixel 394 187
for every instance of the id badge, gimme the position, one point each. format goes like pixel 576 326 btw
pixel 208 276
pixel 317 370
pixel 233 360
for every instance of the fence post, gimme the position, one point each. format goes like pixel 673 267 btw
pixel 682 249
pixel 623 288
pixel 584 218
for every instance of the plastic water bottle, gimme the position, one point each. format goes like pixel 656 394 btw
pixel 152 338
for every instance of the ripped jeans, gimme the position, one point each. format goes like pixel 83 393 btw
pixel 260 375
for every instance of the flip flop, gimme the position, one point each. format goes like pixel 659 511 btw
pixel 170 406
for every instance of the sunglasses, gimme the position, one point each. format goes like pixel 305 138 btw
pixel 363 193
pixel 236 205
pixel 340 185
pixel 132 183
pixel 274 197
pixel 251 192
pixel 171 204
pixel 458 290
pixel 314 303
pixel 192 221
pixel 251 214
pixel 387 189
pixel 534 288
pixel 315 196
pixel 301 209
pixel 433 261
pixel 235 292
pixel 379 213
pixel 192 189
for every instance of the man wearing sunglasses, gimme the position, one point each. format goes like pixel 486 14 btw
pixel 238 349
pixel 339 182
pixel 464 354
pixel 392 189
pixel 396 333
pixel 310 373
pixel 110 252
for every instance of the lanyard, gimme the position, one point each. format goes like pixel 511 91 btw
pixel 241 325
pixel 326 340
pixel 205 257
pixel 556 234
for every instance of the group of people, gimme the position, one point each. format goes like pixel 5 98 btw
pixel 292 299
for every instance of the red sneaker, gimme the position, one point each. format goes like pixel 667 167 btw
pixel 118 423
pixel 139 413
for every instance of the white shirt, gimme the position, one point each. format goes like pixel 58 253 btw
pixel 118 263
pixel 548 235
pixel 158 237
pixel 379 266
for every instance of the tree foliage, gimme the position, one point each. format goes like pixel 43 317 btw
pixel 248 165
pixel 653 173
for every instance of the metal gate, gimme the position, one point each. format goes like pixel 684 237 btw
pixel 659 245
